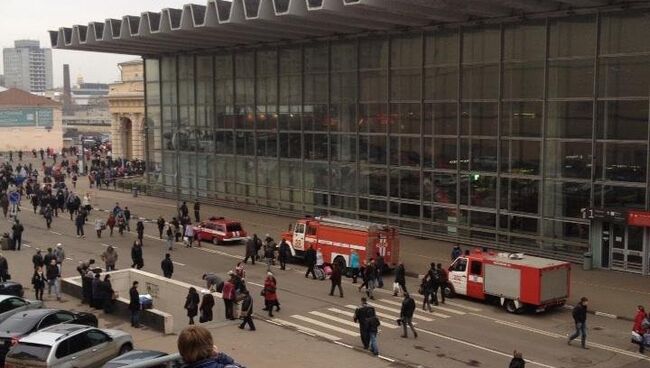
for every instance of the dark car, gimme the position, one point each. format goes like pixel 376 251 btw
pixel 137 356
pixel 23 324
pixel 11 288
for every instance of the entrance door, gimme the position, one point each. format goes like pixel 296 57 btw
pixel 627 248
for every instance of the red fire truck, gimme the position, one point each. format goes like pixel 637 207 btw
pixel 337 237
pixel 515 280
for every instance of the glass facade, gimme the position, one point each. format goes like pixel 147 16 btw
pixel 492 134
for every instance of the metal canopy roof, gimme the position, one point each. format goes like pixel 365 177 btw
pixel 227 23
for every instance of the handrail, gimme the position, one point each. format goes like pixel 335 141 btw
pixel 165 360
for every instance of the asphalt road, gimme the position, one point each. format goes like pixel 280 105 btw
pixel 459 334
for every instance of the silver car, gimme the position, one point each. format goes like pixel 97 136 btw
pixel 10 305
pixel 68 346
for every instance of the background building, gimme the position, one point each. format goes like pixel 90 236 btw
pixel 456 121
pixel 2 80
pixel 126 104
pixel 28 121
pixel 28 67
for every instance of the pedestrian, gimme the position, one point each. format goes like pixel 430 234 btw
pixel 207 303
pixel 183 210
pixel 134 305
pixel 270 294
pixel 47 215
pixel 53 274
pixel 640 327
pixel 373 329
pixel 4 202
pixel 189 235
pixel 4 269
pixel 169 238
pixel 17 232
pixel 429 286
pixel 269 253
pixel 161 225
pixel 197 210
pixel 354 265
pixel 48 257
pixel 192 304
pixel 310 261
pixel 99 226
pixel 97 298
pixel 167 266
pixel 110 258
pixel 127 218
pixel 197 350
pixel 228 295
pixel 247 311
pixel 177 229
pixel 212 281
pixel 250 250
pixel 284 253
pixel 517 360
pixel 38 282
pixel 121 223
pixel 369 278
pixel 136 255
pixel 35 202
pixel 37 260
pixel 580 319
pixel 443 278
pixel 110 223
pixel 59 256
pixel 107 294
pixel 406 315
pixel 380 268
pixel 456 252
pixel 79 222
pixel 361 316
pixel 400 280
pixel 87 277
pixel 139 228
pixel 335 279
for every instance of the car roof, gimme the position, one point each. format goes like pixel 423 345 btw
pixel 5 297
pixel 222 220
pixel 50 335
pixel 39 312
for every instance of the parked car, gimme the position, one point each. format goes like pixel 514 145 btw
pixel 10 305
pixel 68 345
pixel 25 323
pixel 11 288
pixel 219 230
pixel 137 356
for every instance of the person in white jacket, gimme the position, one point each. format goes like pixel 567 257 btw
pixel 189 235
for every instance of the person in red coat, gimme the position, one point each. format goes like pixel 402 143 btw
pixel 638 321
pixel 270 294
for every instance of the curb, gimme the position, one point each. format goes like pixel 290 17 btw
pixel 603 314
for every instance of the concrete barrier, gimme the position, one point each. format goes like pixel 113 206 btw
pixel 168 297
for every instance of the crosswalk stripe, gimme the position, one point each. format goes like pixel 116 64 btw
pixel 433 306
pixel 345 321
pixel 325 325
pixel 398 311
pixel 382 315
pixel 389 318
pixel 307 329
pixel 463 306
pixel 414 316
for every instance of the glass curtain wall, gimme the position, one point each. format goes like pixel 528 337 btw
pixel 492 134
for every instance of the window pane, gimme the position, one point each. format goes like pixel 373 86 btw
pixel 373 53
pixel 406 52
pixel 525 157
pixel 483 191
pixel 624 76
pixel 409 184
pixel 406 118
pixel 441 47
pixel 445 153
pixel 479 118
pixel 570 78
pixel 622 120
pixel 443 117
pixel 524 225
pixel 373 85
pixel 405 84
pixel 620 197
pixel 624 32
pixel 574 36
pixel 524 41
pixel 625 162
pixel 522 119
pixel 481 45
pixel 565 199
pixel 480 82
pixel 484 155
pixel 569 119
pixel 523 80
pixel 524 195
pixel 344 56
pixel 441 83
pixel 444 188
pixel 568 159
pixel 373 119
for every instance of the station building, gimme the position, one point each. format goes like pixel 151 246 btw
pixel 511 124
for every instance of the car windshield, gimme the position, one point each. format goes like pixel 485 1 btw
pixel 24 351
pixel 233 227
pixel 18 324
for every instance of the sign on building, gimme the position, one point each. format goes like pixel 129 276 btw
pixel 26 117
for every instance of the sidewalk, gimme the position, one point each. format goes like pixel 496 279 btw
pixel 611 293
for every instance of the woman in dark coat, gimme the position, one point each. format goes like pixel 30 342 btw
pixel 136 255
pixel 106 292
pixel 206 308
pixel 192 304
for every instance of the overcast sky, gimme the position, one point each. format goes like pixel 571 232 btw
pixel 31 19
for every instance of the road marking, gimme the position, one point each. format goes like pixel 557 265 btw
pixel 398 311
pixel 343 344
pixel 307 330
pixel 54 232
pixel 69 259
pixel 463 306
pixel 108 245
pixel 386 358
pixel 325 325
pixel 378 314
pixel 152 237
pixel 27 245
pixel 178 263
pixel 603 314
pixel 218 252
pixel 400 304
pixel 336 319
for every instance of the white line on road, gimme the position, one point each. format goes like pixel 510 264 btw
pixel 27 245
pixel 109 245
pixel 178 263
pixel 400 304
pixel 379 314
pixel 398 311
pixel 69 259
pixel 603 314
pixel 54 232
pixel 343 344
pixel 325 325
pixel 346 322
pixel 307 330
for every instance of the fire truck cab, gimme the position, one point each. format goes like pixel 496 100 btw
pixel 337 237
pixel 515 280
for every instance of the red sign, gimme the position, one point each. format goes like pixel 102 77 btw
pixel 638 218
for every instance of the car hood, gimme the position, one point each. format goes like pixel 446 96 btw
pixel 117 334
pixel 35 304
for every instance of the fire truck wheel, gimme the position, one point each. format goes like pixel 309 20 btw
pixel 215 241
pixel 511 307
pixel 449 292
pixel 340 261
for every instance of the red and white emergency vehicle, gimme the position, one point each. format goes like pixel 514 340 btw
pixel 219 230
pixel 337 237
pixel 516 280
